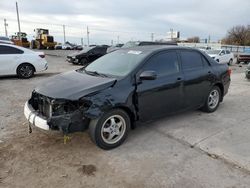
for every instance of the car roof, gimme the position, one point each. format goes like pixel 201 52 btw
pixel 18 47
pixel 155 48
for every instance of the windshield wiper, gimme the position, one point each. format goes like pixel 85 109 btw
pixel 95 73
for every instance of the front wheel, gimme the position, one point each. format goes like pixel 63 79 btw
pixel 213 100
pixel 110 130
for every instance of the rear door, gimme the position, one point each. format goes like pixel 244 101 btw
pixel 198 78
pixel 164 94
pixel 9 57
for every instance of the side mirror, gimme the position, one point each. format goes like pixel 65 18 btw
pixel 148 75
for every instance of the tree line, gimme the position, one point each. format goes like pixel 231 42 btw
pixel 238 35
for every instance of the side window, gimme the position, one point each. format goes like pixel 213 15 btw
pixel 97 50
pixel 205 61
pixel 191 60
pixel 103 50
pixel 222 52
pixel 164 63
pixel 227 52
pixel 9 50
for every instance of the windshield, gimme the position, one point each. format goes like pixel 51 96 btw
pixel 213 51
pixel 130 44
pixel 118 63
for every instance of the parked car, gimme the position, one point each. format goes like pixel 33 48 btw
pixel 221 56
pixel 16 60
pixel 243 57
pixel 67 47
pixel 248 71
pixel 137 84
pixel 58 46
pixel 87 55
pixel 5 40
pixel 78 47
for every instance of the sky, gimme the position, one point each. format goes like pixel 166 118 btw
pixel 124 20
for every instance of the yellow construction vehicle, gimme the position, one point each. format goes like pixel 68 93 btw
pixel 42 40
pixel 20 39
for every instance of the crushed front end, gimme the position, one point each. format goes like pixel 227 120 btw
pixel 56 114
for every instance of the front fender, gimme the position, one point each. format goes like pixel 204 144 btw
pixel 105 101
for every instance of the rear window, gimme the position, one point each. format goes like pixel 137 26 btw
pixel 191 60
pixel 9 50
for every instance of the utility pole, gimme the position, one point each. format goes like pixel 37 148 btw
pixel 152 37
pixel 64 37
pixel 18 21
pixel 5 26
pixel 82 41
pixel 118 39
pixel 171 30
pixel 88 35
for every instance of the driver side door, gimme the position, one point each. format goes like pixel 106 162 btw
pixel 164 94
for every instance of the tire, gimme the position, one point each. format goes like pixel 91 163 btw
pixel 110 130
pixel 230 62
pixel 211 103
pixel 25 71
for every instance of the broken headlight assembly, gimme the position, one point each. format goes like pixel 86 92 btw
pixel 61 107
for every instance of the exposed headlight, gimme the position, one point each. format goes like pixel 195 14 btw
pixel 60 107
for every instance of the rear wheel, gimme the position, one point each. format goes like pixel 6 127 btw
pixel 110 130
pixel 25 70
pixel 213 100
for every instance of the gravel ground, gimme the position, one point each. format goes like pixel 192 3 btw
pixel 193 149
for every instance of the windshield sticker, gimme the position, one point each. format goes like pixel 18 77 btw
pixel 134 52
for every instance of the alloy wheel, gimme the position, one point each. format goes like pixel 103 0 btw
pixel 213 99
pixel 113 129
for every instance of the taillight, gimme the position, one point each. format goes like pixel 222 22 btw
pixel 229 72
pixel 42 56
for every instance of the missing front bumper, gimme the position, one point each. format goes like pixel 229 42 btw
pixel 67 123
pixel 33 118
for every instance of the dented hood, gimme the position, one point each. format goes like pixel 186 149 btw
pixel 73 85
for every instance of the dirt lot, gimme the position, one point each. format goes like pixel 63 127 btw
pixel 193 149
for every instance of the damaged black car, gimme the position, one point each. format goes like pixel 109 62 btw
pixel 129 85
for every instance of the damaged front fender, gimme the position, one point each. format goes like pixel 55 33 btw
pixel 106 100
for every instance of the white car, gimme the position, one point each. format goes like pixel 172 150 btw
pixel 5 40
pixel 67 47
pixel 16 60
pixel 222 56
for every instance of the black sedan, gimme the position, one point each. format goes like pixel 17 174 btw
pixel 138 84
pixel 87 55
